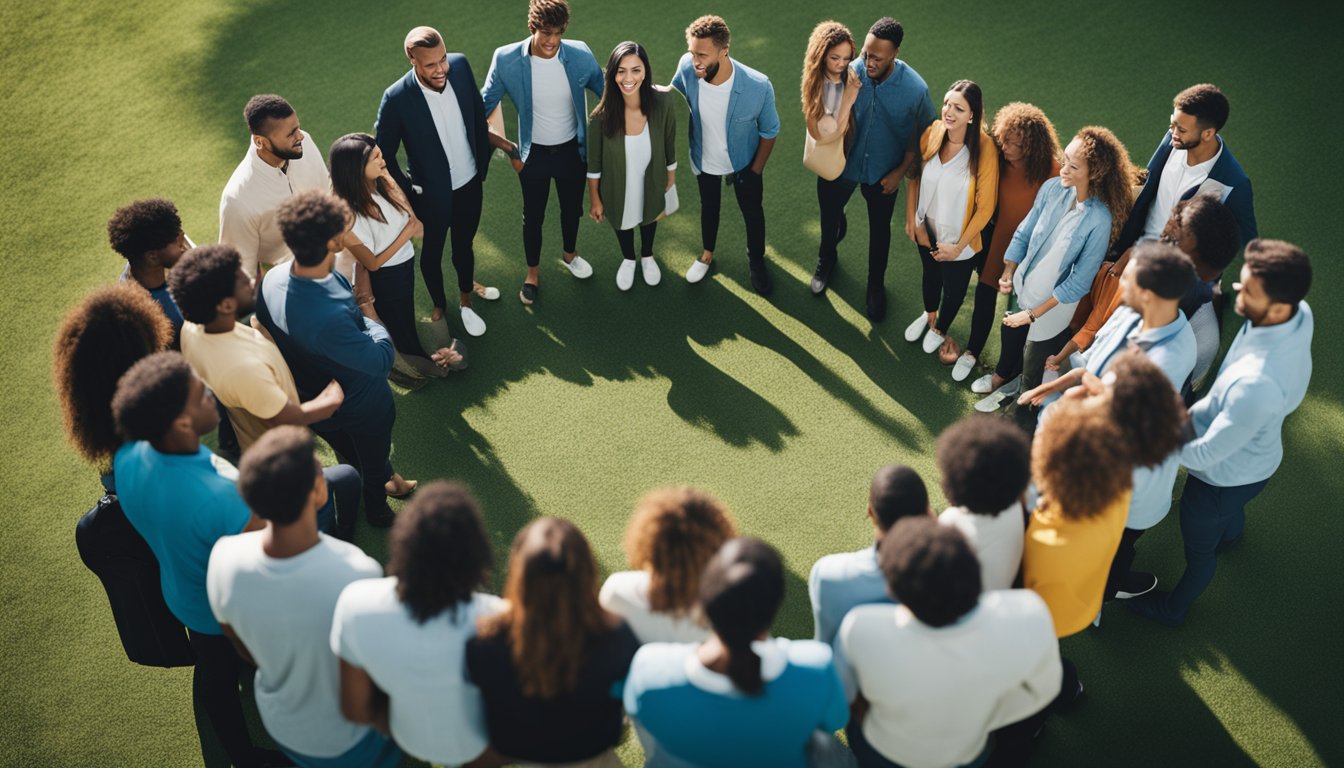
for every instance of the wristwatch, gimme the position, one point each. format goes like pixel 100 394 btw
pixel 514 153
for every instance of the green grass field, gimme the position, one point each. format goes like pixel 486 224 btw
pixel 577 405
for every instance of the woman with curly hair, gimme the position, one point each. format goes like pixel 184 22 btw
pixel 547 664
pixel 673 533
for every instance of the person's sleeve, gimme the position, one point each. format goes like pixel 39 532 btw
pixel 1247 408
pixel 362 353
pixel 493 91
pixel 342 640
pixel 767 120
pixel 986 185
pixel 238 229
pixel 596 78
pixel 317 155
pixel 1097 317
pixel 595 139
pixel 633 684
pixel 215 587
pixel 849 678
pixel 387 134
pixel 1079 281
pixel 670 136
pixel 835 712
pixel 679 79
pixel 820 631
pixel 255 389
pixel 1040 684
pixel 1242 203
pixel 1200 293
pixel 1017 247
pixel 927 114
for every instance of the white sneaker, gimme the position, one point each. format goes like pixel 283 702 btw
pixel 998 397
pixel 578 267
pixel 625 274
pixel 983 385
pixel 697 271
pixel 917 328
pixel 964 365
pixel 652 275
pixel 472 322
pixel 487 292
pixel 932 341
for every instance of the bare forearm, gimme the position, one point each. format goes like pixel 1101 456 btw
pixel 762 155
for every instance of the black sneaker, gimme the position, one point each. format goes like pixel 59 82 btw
pixel 821 277
pixel 877 303
pixel 528 294
pixel 380 518
pixel 1135 583
pixel 760 279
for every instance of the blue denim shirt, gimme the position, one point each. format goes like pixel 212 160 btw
pixel 839 582
pixel 1086 249
pixel 511 73
pixel 887 116
pixel 751 111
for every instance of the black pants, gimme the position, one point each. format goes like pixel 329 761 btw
pixel 1124 560
pixel 465 217
pixel 626 238
pixel 1012 343
pixel 368 450
pixel 944 286
pixel 1033 369
pixel 831 199
pixel 986 296
pixel 750 189
pixel 394 298
pixel 215 684
pixel 562 164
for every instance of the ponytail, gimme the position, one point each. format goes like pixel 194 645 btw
pixel 744 668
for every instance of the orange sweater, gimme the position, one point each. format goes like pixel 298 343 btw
pixel 1066 561
pixel 984 187
pixel 1100 304
pixel 1016 195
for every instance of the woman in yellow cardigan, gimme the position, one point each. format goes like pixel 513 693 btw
pixel 946 207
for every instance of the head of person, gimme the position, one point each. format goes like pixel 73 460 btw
pixel 210 281
pixel 964 109
pixel 281 479
pixel 931 569
pixel 148 233
pixel 1206 230
pixel 311 223
pixel 896 491
pixel 707 40
pixel 1157 273
pixel 1198 114
pixel 740 593
pixel 628 75
pixel 98 341
pixel 161 400
pixel 1079 459
pixel 830 49
pixel 547 21
pixel 357 173
pixel 673 533
pixel 881 46
pixel 553 610
pixel 1096 158
pixel 1274 279
pixel 429 57
pixel 985 463
pixel 1146 408
pixel 1026 138
pixel 274 126
pixel 438 551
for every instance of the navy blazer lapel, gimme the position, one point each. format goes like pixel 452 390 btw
pixel 462 92
pixel 419 115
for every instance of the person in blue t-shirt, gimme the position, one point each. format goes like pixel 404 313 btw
pixel 740 698
pixel 148 233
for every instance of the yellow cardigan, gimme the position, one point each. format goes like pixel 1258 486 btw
pixel 1067 561
pixel 983 195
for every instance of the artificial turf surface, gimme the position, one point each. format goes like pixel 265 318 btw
pixel 574 407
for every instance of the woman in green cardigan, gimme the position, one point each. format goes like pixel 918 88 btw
pixel 631 134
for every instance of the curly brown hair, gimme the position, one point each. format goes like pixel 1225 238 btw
pixel 1110 174
pixel 98 341
pixel 439 551
pixel 143 226
pixel 1040 142
pixel 1079 459
pixel 309 220
pixel 1146 408
pixel 712 27
pixel 673 533
pixel 825 36
pixel 547 14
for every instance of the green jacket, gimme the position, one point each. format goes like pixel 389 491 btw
pixel 606 157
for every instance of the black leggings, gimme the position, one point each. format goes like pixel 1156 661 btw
pixel 394 299
pixel 749 189
pixel 945 281
pixel 626 237
pixel 464 219
pixel 562 164
pixel 215 684
pixel 1012 342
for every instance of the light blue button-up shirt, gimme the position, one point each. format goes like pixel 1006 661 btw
pixel 1086 249
pixel 751 112
pixel 840 582
pixel 887 117
pixel 511 73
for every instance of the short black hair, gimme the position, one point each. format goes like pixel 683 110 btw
pixel 740 594
pixel 308 221
pixel 150 395
pixel 439 551
pixel 1216 229
pixel 262 109
pixel 143 226
pixel 889 29
pixel 206 275
pixel 896 492
pixel 985 463
pixel 1162 268
pixel 1206 104
pixel 1283 269
pixel 277 474
pixel 931 569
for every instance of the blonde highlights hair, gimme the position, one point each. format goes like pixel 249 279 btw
pixel 1110 174
pixel 825 36
pixel 673 534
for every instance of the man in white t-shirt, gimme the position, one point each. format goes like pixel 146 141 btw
pixel 986 467
pixel 273 592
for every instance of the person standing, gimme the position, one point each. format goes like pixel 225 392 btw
pixel 545 76
pixel 148 234
pixel 436 111
pixel 733 129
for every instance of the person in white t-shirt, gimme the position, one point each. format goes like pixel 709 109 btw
pixel 401 639
pixel 273 591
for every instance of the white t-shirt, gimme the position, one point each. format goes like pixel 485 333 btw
pixel 626 594
pixel 436 714
pixel 1035 282
pixel 1177 177
pixel 553 120
pixel 378 235
pixel 714 157
pixel 447 116
pixel 638 155
pixel 997 542
pixel 943 189
pixel 281 610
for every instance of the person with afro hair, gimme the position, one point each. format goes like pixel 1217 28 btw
pixel 148 234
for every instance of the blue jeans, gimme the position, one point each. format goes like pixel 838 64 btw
pixel 342 493
pixel 1210 516
pixel 373 751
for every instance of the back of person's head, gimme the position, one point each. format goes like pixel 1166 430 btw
pixel 309 221
pixel 1146 408
pixel 553 614
pixel 439 551
pixel 206 275
pixel 896 491
pixel 931 569
pixel 547 14
pixel 985 463
pixel 278 474
pixel 1215 228
pixel 1162 268
pixel 673 533
pixel 711 27
pixel 1282 268
pixel 262 109
pixel 143 226
pixel 889 29
pixel 1029 126
pixel 740 593
pixel 1079 458
pixel 1206 104
pixel 97 342
pixel 151 395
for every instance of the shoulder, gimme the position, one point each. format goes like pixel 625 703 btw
pixel 625 588
pixel 659 666
pixel 868 623
pixel 512 51
pixel 751 75
pixel 399 86
pixel 233 552
pixel 808 654
pixel 914 80
pixel 352 557
pixel 988 146
pixel 1052 186
pixel 840 566
pixel 578 46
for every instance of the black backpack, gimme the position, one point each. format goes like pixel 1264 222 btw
pixel 118 555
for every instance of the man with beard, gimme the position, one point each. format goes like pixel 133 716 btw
pixel 277 165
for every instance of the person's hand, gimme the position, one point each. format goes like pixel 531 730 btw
pixel 595 211
pixel 1052 362
pixel 446 356
pixel 1034 396
pixel 944 252
pixel 517 165
pixel 852 86
pixel 1006 284
pixel 332 394
pixel 890 183
pixel 1017 319
pixel 910 230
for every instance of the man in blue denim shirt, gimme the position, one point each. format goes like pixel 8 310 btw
pixel 544 77
pixel 733 130
pixel 890 113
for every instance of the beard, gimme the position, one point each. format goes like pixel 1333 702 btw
pixel 711 71
pixel 1187 144
pixel 286 153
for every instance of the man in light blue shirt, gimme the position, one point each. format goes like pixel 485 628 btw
pixel 1238 441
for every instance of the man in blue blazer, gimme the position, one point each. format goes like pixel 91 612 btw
pixel 436 111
